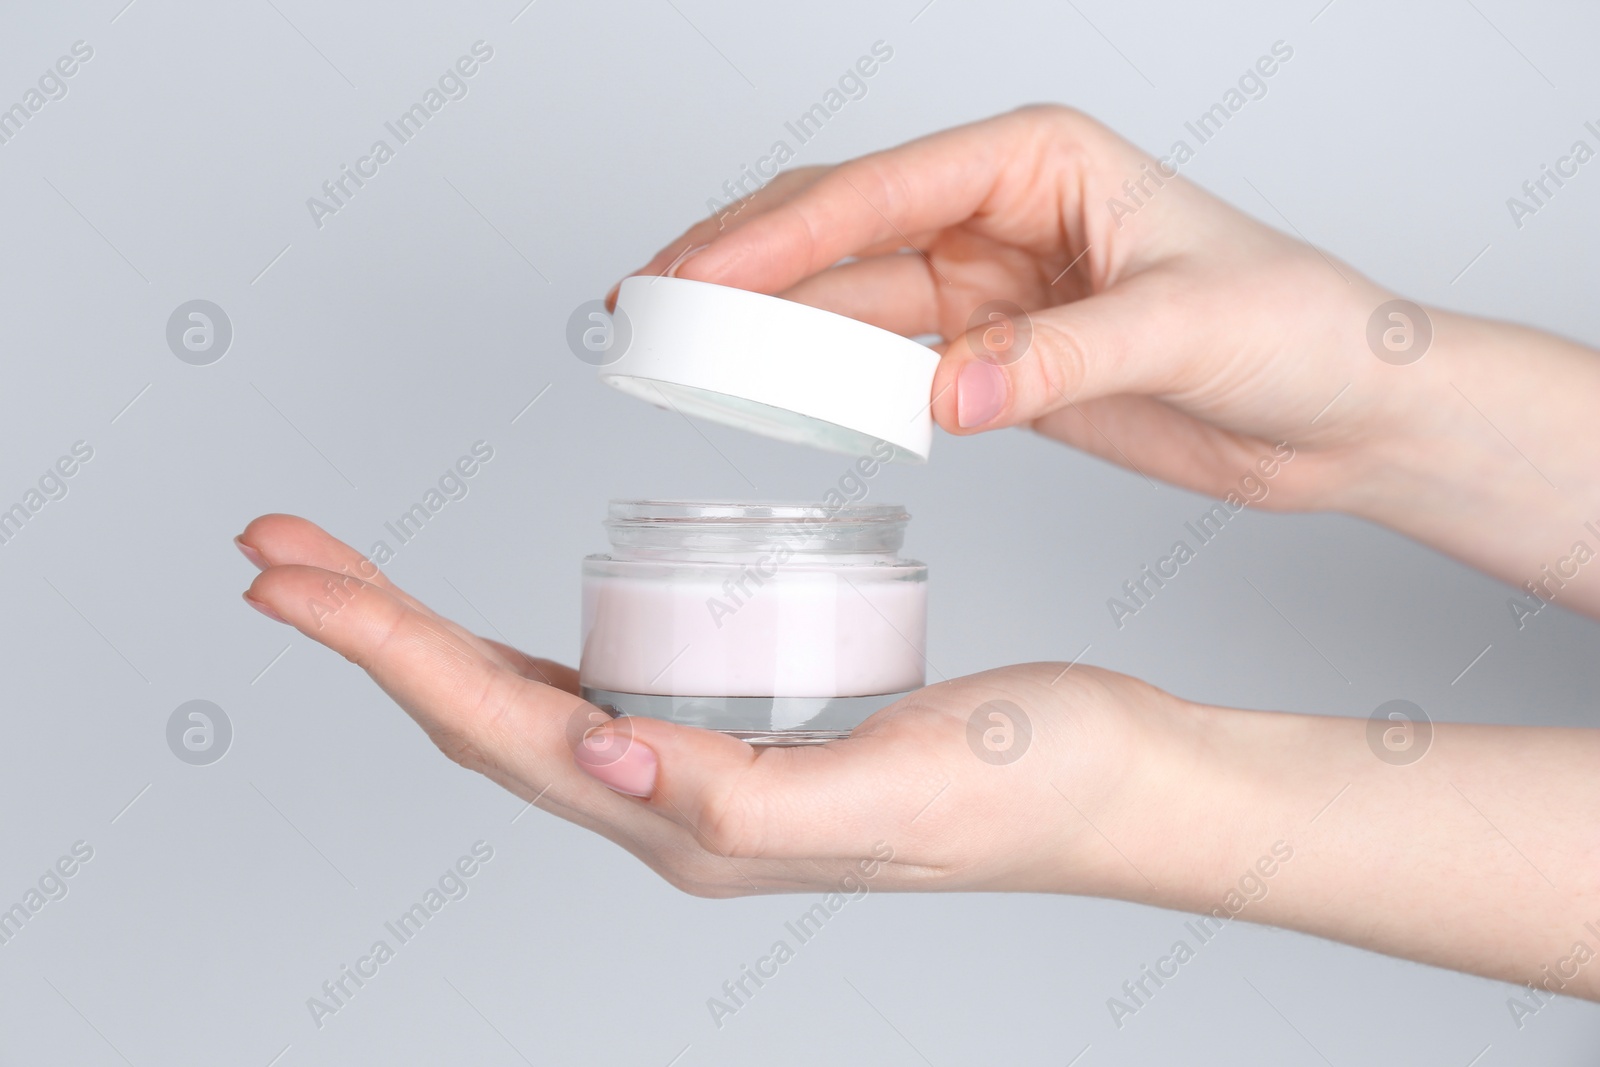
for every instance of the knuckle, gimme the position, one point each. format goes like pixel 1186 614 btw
pixel 1050 110
pixel 1071 142
pixel 1062 367
pixel 498 699
pixel 808 228
pixel 1057 118
pixel 471 735
pixel 475 716
pixel 367 654
pixel 882 183
pixel 460 747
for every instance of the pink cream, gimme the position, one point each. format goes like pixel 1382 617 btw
pixel 777 623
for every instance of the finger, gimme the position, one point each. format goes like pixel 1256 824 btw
pixel 732 216
pixel 275 540
pixel 1020 176
pixel 479 713
pixel 517 732
pixel 745 802
pixel 914 295
pixel 1141 337
pixel 893 292
pixel 282 539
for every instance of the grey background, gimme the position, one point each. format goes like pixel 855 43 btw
pixel 374 351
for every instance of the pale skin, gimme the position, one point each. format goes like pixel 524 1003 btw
pixel 1185 340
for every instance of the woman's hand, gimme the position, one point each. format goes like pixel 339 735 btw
pixel 1033 778
pixel 1173 334
pixel 955 787
pixel 1181 338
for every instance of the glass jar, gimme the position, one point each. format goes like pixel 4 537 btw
pixel 776 623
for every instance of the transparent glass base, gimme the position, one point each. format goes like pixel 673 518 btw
pixel 757 720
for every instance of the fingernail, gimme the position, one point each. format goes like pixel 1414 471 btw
pixel 262 607
pixel 672 271
pixel 980 393
pixel 623 764
pixel 252 555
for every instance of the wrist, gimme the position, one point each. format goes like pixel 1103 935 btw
pixel 1200 800
pixel 1219 805
pixel 1485 450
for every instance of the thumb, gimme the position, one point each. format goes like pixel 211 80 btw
pixel 744 802
pixel 1012 367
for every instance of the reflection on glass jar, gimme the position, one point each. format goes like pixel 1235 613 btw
pixel 776 623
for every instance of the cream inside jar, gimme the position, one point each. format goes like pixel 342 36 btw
pixel 776 623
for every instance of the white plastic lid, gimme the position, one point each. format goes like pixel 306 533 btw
pixel 772 366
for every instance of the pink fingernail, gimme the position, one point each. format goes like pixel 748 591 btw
pixel 262 607
pixel 980 393
pixel 252 555
pixel 619 763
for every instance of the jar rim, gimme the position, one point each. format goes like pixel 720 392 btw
pixel 735 513
pixel 726 529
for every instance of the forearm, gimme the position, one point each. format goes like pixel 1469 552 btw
pixel 1498 463
pixel 1479 856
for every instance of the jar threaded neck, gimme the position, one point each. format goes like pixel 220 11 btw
pixel 664 529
